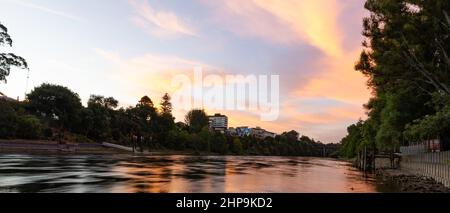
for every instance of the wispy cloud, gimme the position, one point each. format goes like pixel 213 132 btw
pixel 48 10
pixel 158 23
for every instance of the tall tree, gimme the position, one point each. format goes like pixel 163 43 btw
pixel 56 104
pixel 166 105
pixel 7 60
pixel 166 121
pixel 98 115
pixel 145 116
pixel 405 61
pixel 196 119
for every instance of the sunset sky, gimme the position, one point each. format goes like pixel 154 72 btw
pixel 130 48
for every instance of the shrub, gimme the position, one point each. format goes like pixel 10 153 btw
pixel 29 127
pixel 8 120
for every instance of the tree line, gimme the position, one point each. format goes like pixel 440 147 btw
pixel 406 60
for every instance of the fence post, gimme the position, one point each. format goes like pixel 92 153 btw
pixel 447 168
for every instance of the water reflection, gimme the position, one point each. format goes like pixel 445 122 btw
pixel 155 174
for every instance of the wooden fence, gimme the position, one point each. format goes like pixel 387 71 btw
pixel 435 165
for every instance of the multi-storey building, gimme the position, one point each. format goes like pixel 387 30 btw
pixel 218 122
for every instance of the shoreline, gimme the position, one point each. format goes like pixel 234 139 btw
pixel 43 147
pixel 407 182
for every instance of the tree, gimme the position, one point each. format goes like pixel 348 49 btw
pixel 123 126
pixel 8 120
pixel 166 105
pixel 351 144
pixel 291 136
pixel 204 142
pixel 146 101
pixel 236 146
pixel 406 62
pixel 196 119
pixel 145 116
pixel 107 103
pixel 56 104
pixel 98 116
pixel 145 110
pixel 7 60
pixel 219 143
pixel 29 127
pixel 165 119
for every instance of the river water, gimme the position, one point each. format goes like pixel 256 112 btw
pixel 130 174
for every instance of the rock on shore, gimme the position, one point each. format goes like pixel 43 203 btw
pixel 410 183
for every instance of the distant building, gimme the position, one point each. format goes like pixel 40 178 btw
pixel 6 98
pixel 268 134
pixel 243 131
pixel 232 131
pixel 258 132
pixel 218 122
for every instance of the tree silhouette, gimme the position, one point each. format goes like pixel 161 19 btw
pixel 7 60
pixel 196 119
pixel 166 105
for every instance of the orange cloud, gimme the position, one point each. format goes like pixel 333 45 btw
pixel 315 20
pixel 288 21
pixel 337 80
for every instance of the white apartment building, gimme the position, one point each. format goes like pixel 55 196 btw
pixel 218 122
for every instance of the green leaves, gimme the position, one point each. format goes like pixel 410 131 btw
pixel 4 36
pixel 196 119
pixel 406 61
pixel 8 60
pixel 55 103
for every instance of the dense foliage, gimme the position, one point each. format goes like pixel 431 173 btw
pixel 406 60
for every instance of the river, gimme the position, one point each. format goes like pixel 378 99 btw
pixel 155 174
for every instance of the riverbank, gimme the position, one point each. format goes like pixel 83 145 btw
pixel 408 182
pixel 44 147
pixel 52 147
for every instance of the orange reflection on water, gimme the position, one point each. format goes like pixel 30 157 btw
pixel 240 174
